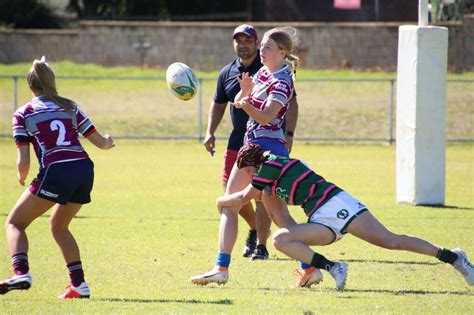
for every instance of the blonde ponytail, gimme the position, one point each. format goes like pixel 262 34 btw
pixel 293 60
pixel 286 39
pixel 41 80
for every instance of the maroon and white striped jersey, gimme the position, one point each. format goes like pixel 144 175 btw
pixel 52 130
pixel 277 86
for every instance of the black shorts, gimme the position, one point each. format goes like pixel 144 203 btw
pixel 65 182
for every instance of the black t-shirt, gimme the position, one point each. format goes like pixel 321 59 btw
pixel 227 89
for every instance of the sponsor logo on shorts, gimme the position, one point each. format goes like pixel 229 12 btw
pixel 48 194
pixel 343 214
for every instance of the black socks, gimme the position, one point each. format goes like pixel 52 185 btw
pixel 447 256
pixel 320 262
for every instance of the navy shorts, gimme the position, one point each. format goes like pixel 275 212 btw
pixel 65 182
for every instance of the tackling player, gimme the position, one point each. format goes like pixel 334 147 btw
pixel 331 214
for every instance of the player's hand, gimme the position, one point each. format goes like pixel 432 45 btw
pixel 246 84
pixel 109 142
pixel 210 143
pixel 21 179
pixel 242 103
pixel 220 204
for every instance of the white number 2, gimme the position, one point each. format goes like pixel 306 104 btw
pixel 55 125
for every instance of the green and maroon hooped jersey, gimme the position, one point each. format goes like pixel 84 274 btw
pixel 294 182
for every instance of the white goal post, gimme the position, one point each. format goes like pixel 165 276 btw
pixel 421 107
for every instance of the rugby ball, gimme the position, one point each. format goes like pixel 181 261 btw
pixel 181 81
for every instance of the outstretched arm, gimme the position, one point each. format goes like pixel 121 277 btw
pixel 102 142
pixel 238 199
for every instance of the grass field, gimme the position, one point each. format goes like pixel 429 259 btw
pixel 153 224
pixel 145 108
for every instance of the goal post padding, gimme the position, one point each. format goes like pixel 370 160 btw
pixel 421 111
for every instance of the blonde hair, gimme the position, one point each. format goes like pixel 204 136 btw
pixel 41 79
pixel 286 39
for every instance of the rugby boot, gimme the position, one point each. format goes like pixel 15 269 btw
pixel 16 282
pixel 339 273
pixel 80 292
pixel 260 253
pixel 218 275
pixel 250 243
pixel 464 266
pixel 308 277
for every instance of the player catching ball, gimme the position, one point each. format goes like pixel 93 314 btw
pixel 331 213
pixel 51 123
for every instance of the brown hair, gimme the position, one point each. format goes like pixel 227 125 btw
pixel 41 80
pixel 286 39
pixel 250 154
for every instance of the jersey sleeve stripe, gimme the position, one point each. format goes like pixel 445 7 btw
pixel 89 132
pixel 273 163
pixel 261 179
pixel 21 144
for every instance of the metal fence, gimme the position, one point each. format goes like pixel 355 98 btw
pixel 330 109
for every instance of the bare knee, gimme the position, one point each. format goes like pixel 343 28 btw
pixel 57 229
pixel 280 238
pixel 10 224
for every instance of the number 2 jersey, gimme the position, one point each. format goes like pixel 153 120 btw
pixel 294 182
pixel 52 130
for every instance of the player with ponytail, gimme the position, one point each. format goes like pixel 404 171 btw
pixel 265 97
pixel 52 124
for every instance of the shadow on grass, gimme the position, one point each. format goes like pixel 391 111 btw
pixel 394 262
pixel 407 292
pixel 76 217
pixel 191 301
pixel 447 207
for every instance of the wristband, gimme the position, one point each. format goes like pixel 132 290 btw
pixel 289 133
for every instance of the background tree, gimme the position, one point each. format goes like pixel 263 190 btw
pixel 28 14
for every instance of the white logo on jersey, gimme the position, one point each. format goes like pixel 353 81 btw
pixel 281 87
pixel 281 193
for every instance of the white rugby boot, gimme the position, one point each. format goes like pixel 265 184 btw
pixel 339 273
pixel 16 282
pixel 218 275
pixel 464 266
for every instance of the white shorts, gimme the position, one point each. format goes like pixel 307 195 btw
pixel 337 213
